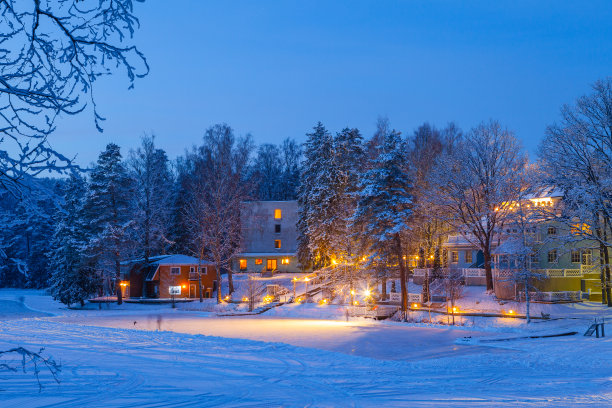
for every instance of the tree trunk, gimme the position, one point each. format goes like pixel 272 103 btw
pixel 200 278
pixel 384 288
pixel 487 265
pixel 118 281
pixel 607 261
pixel 602 272
pixel 527 301
pixel 219 281
pixel 398 244
pixel 230 281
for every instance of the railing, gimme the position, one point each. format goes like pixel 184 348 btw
pixel 466 272
pixel 561 273
pixel 193 276
pixel 412 297
pixel 559 296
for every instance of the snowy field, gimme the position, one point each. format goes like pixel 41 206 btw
pixel 117 357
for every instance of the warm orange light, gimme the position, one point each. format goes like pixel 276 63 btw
pixel 227 297
pixel 415 305
pixel 367 293
pixel 356 303
pixel 184 286
pixel 306 279
pixel 416 257
pixel 245 299
pixel 334 262
pixel 510 311
pixel 352 292
pixel 323 301
pixel 455 309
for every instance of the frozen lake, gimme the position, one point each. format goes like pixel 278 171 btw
pixel 366 339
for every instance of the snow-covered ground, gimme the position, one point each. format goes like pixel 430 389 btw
pixel 117 357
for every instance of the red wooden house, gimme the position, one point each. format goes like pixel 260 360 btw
pixel 154 280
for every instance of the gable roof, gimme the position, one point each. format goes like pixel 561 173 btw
pixel 178 259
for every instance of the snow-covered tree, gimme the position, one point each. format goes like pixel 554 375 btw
pixel 475 185
pixel 268 171
pixel 73 275
pixel 216 190
pixel 577 158
pixel 313 197
pixel 52 52
pixel 27 224
pixel 385 206
pixel 153 196
pixel 109 213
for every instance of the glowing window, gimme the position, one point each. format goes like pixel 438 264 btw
pixel 277 243
pixel 243 264
pixel 454 256
pixel 258 261
pixel 278 214
pixel 285 261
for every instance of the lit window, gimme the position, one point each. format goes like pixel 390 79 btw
pixel 552 231
pixel 271 264
pixel 285 261
pixel 258 261
pixel 243 264
pixel 552 256
pixel 278 214
pixel 175 271
pixel 575 256
pixel 277 243
pixel 277 228
pixel 468 256
pixel 454 256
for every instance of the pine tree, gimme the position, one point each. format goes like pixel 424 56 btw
pixel 315 198
pixel 152 196
pixel 73 278
pixel 109 213
pixel 385 207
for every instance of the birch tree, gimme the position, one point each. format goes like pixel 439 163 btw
pixel 476 184
pixel 216 190
pixel 577 158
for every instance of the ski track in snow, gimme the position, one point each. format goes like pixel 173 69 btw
pixel 127 367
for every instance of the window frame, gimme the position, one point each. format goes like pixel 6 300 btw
pixel 454 256
pixel 555 255
pixel 277 228
pixel 241 262
pixel 173 268
pixel 469 256
pixel 277 244
pixel 271 261
pixel 278 214
pixel 576 256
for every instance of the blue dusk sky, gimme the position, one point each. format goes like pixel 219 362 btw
pixel 275 68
